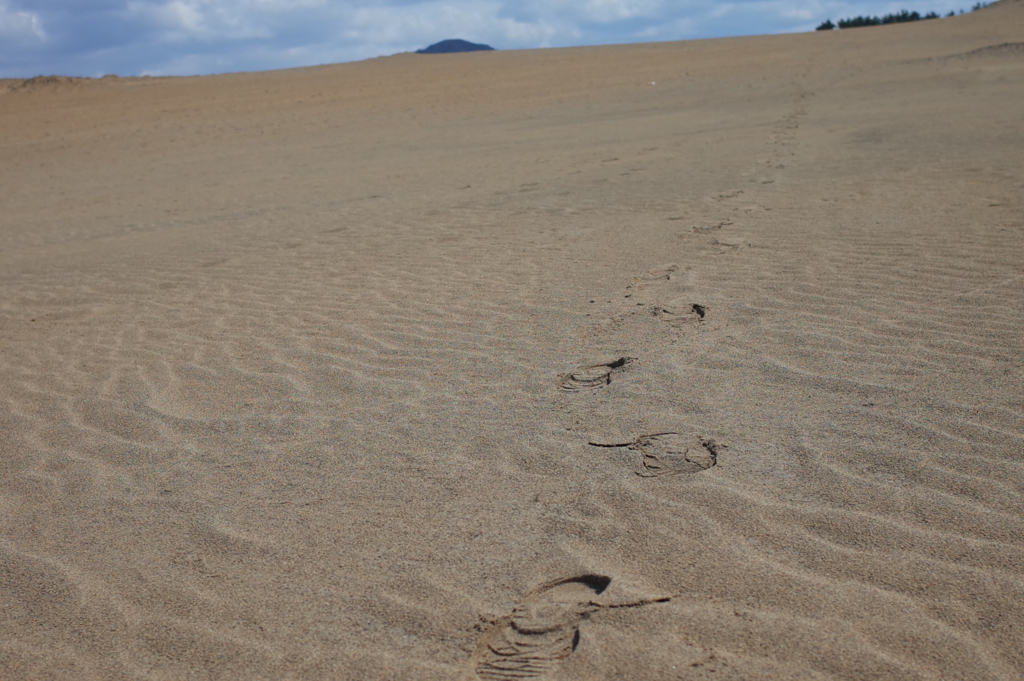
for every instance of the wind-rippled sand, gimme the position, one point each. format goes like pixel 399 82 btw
pixel 670 361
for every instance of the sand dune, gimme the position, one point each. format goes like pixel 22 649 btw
pixel 516 365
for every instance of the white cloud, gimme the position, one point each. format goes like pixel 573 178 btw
pixel 206 20
pixel 181 15
pixel 20 26
pixel 603 11
pixel 281 5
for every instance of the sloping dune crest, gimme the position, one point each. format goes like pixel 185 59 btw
pixel 667 361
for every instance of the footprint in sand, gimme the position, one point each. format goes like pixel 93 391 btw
pixel 661 272
pixel 703 229
pixel 592 376
pixel 541 630
pixel 670 453
pixel 680 312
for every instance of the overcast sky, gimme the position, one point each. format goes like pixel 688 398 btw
pixel 187 37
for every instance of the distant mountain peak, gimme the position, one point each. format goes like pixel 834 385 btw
pixel 448 46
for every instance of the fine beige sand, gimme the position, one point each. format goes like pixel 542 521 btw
pixel 695 360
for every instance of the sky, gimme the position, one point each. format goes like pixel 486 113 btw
pixel 93 38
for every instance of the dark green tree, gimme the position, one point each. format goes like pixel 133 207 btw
pixel 901 17
pixel 857 22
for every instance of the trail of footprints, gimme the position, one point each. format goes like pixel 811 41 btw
pixel 545 627
pixel 665 453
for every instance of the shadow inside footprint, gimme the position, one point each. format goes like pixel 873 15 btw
pixel 592 376
pixel 541 630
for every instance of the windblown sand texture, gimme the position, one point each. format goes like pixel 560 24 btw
pixel 513 365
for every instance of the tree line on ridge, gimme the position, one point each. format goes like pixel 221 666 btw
pixel 900 17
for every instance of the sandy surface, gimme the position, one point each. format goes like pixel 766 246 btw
pixel 515 365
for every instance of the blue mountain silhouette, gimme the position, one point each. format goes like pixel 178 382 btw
pixel 447 46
